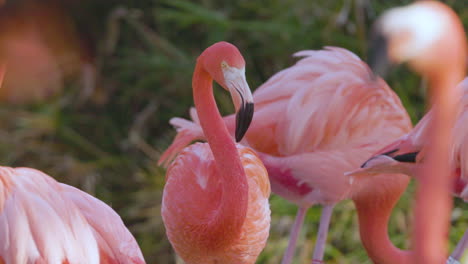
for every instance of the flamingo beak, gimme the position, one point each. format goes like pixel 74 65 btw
pixel 370 162
pixel 242 97
pixel 377 57
pixel 243 120
pixel 407 157
pixel 385 163
pixel 372 167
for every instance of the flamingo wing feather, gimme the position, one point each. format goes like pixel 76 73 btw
pixel 44 221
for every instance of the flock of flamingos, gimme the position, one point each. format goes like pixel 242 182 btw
pixel 321 131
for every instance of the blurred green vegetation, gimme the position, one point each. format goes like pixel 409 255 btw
pixel 145 53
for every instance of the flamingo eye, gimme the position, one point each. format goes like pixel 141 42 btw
pixel 224 65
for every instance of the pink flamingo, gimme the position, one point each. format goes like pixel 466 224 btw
pixel 215 201
pixel 313 122
pixel 44 221
pixel 431 38
pixel 405 155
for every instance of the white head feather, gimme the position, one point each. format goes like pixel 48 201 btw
pixel 236 83
pixel 424 23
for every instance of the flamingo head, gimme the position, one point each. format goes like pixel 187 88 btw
pixel 386 164
pixel 374 166
pixel 225 64
pixel 425 34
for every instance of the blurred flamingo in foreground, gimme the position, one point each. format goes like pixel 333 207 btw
pixel 313 122
pixel 44 221
pixel 406 154
pixel 431 38
pixel 215 201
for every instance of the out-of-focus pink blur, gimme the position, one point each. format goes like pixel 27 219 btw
pixel 40 47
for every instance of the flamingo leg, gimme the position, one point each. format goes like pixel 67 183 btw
pixel 289 254
pixel 459 249
pixel 322 233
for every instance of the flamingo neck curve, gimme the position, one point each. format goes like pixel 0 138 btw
pixel 226 225
pixel 374 210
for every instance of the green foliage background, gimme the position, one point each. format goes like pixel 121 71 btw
pixel 146 52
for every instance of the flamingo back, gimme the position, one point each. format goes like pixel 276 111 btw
pixel 327 100
pixel 191 199
pixel 43 221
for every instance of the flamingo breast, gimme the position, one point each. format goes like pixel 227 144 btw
pixel 191 199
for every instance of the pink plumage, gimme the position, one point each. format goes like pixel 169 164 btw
pixel 416 142
pixel 196 180
pixel 44 221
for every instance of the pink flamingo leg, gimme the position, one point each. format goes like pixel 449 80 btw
pixel 460 248
pixel 289 254
pixel 322 233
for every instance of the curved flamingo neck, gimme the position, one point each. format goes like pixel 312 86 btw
pixel 226 225
pixel 374 210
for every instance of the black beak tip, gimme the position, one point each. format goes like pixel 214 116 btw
pixel 243 120
pixel 377 56
pixel 364 164
pixel 407 157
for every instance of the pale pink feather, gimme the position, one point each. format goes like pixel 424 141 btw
pixel 116 243
pixel 43 221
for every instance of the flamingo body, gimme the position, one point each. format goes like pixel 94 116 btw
pixel 44 221
pixel 194 173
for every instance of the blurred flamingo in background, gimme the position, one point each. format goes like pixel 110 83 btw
pixel 43 48
pixel 313 122
pixel 215 201
pixel 44 221
pixel 431 38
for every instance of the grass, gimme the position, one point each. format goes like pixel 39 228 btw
pixel 109 145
